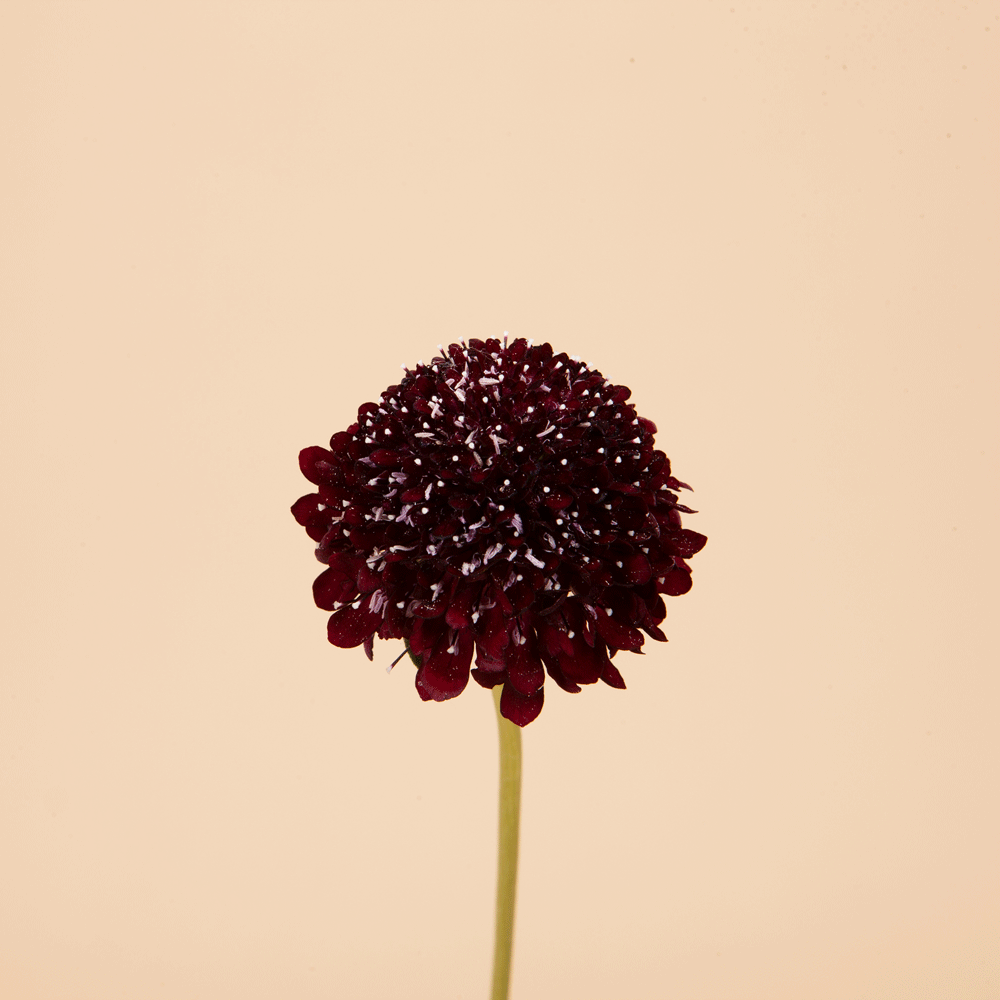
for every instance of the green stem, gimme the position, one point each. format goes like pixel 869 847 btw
pixel 510 811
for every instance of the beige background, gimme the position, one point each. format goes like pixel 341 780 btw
pixel 227 224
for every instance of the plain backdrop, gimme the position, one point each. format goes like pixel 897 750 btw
pixel 226 225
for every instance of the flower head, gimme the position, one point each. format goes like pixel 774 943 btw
pixel 504 501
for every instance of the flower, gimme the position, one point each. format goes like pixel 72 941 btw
pixel 504 501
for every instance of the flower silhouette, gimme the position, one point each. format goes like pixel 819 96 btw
pixel 502 501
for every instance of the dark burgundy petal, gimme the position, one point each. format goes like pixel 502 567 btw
pixel 493 632
pixel 457 615
pixel 318 465
pixel 426 634
pixel 587 662
pixel 554 640
pixel 685 543
pixel 611 676
pixel 654 632
pixel 429 609
pixel 351 626
pixel 307 509
pixel 488 679
pixel 445 672
pixel 637 568
pixel 520 708
pixel 616 633
pixel 675 581
pixel 556 673
pixel 524 669
pixel 489 664
pixel 386 458
pixel 332 588
pixel 366 578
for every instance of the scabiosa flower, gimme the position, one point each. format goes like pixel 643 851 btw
pixel 502 501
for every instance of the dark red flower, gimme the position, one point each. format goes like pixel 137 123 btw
pixel 502 501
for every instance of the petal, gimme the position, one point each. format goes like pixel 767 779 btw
pixel 457 615
pixel 685 542
pixel 586 664
pixel 556 673
pixel 616 633
pixel 488 679
pixel 445 674
pixel 487 663
pixel 386 458
pixel 312 514
pixel 637 569
pixel 351 626
pixel 318 465
pixel 524 669
pixel 368 580
pixel 555 640
pixel 331 588
pixel 519 708
pixel 493 632
pixel 559 499
pixel 426 634
pixel 521 595
pixel 676 580
pixel 654 632
pixel 611 676
pixel 429 609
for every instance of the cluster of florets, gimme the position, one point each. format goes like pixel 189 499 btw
pixel 502 501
